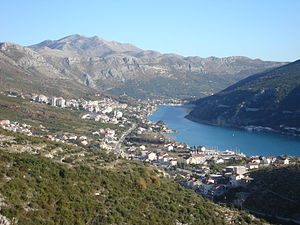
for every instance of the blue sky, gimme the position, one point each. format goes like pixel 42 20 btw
pixel 266 29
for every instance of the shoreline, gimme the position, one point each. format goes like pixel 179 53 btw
pixel 230 145
pixel 248 128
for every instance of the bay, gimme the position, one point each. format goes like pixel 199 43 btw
pixel 221 138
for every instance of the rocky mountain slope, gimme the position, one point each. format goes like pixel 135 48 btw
pixel 118 68
pixel 269 99
pixel 23 69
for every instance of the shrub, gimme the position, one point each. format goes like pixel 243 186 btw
pixel 141 182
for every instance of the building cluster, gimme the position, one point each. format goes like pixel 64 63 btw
pixel 196 163
pixel 113 117
pixel 187 155
pixel 161 159
pixel 107 134
pixel 104 105
pixel 64 138
pixel 56 101
pixel 256 162
pixel 212 185
pixel 201 155
pixel 16 127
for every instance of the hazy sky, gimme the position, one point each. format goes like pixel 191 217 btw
pixel 266 29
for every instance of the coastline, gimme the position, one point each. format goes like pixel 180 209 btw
pixel 248 128
pixel 202 133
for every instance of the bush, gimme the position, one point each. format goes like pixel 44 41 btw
pixel 141 182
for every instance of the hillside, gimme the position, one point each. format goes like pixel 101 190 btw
pixel 274 191
pixel 22 69
pixel 76 65
pixel 283 181
pixel 36 190
pixel 49 182
pixel 269 99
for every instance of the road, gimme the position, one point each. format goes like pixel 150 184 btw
pixel 119 143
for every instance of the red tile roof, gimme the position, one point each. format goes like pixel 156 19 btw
pixel 199 155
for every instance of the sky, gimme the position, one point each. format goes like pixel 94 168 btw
pixel 265 29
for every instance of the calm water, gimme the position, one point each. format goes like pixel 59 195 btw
pixel 249 143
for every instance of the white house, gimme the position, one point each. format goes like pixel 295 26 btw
pixel 173 162
pixel 256 160
pixel 53 101
pixel 283 160
pixel 151 156
pixel 73 137
pixel 268 160
pixel 219 161
pixel 170 148
pixel 235 179
pixel 61 102
pixel 252 165
pixel 118 114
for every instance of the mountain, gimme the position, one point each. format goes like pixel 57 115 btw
pixel 23 69
pixel 78 46
pixel 269 99
pixel 116 68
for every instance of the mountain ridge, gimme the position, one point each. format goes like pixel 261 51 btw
pixel 117 68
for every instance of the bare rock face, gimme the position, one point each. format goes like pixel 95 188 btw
pixel 27 59
pixel 119 68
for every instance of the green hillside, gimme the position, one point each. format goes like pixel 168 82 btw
pixel 47 182
pixel 269 99
pixel 36 190
pixel 274 191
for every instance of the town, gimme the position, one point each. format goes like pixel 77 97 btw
pixel 209 172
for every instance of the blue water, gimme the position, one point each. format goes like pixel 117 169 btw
pixel 214 137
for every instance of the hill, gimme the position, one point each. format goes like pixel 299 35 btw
pixel 274 191
pixel 36 190
pixel 49 182
pixel 76 64
pixel 268 100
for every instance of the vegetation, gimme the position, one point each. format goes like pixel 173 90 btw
pixel 277 191
pixel 267 99
pixel 274 191
pixel 38 191
pixel 163 87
